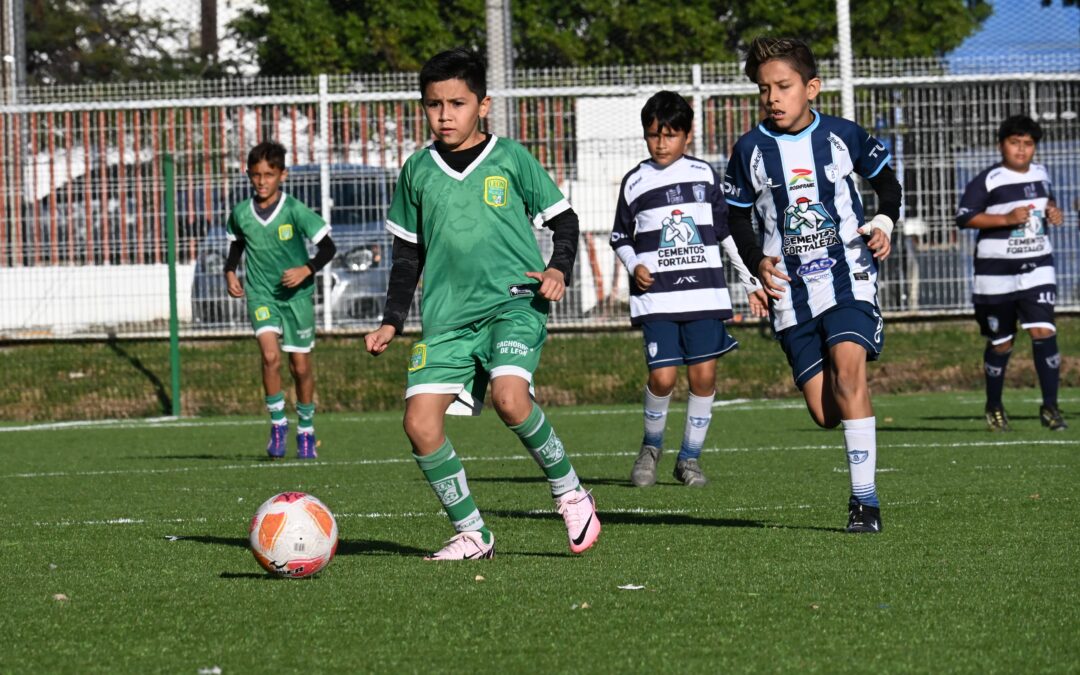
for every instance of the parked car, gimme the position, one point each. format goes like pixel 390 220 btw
pixel 360 197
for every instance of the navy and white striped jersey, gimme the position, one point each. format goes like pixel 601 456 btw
pixel 1010 261
pixel 808 211
pixel 673 220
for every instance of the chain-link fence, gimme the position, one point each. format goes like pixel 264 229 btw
pixel 82 220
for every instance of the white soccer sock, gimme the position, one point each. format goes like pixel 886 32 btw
pixel 698 417
pixel 656 408
pixel 860 440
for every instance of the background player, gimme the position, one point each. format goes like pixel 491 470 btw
pixel 1010 204
pixel 820 273
pixel 463 213
pixel 272 229
pixel 670 222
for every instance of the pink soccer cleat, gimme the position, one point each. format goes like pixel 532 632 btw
pixel 578 509
pixel 465 546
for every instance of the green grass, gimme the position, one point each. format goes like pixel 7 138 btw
pixel 976 570
pixel 75 381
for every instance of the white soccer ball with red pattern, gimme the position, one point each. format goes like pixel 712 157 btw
pixel 293 535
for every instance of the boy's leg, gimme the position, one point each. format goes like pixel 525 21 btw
pixel 298 339
pixel 663 355
pixel 301 367
pixel 275 398
pixel 704 342
pixel 855 335
pixel 997 322
pixel 516 339
pixel 1037 317
pixel 444 472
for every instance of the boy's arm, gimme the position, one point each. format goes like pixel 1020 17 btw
pixel 746 239
pixel 404 276
pixel 232 261
pixel 748 280
pixel 889 194
pixel 564 243
pixel 972 211
pixel 992 221
pixel 324 253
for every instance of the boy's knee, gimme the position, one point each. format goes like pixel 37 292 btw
pixel 662 381
pixel 825 420
pixel 511 407
pixel 1003 347
pixel 271 360
pixel 1040 333
pixel 421 432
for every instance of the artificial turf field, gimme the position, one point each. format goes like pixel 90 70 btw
pixel 140 530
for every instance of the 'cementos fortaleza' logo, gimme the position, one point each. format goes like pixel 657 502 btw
pixel 807 227
pixel 680 242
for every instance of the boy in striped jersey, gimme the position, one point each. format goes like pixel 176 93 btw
pixel 463 214
pixel 670 223
pixel 816 257
pixel 1010 204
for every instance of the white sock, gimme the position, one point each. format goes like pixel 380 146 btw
pixel 860 441
pixel 656 408
pixel 698 417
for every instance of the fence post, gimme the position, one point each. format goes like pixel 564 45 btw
pixel 847 85
pixel 170 256
pixel 699 111
pixel 323 154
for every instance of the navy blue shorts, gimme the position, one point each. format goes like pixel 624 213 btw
pixel 678 343
pixel 1035 309
pixel 807 345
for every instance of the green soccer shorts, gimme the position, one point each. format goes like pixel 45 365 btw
pixel 463 360
pixel 293 320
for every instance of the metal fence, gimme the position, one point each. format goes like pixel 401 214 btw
pixel 82 243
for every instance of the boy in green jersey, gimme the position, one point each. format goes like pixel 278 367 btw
pixel 463 213
pixel 271 228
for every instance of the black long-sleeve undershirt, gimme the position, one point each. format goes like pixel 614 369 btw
pixel 325 251
pixel 740 218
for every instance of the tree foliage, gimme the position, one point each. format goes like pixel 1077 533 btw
pixel 77 41
pixel 310 36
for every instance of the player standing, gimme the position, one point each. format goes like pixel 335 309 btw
pixel 816 258
pixel 670 222
pixel 271 228
pixel 1010 204
pixel 463 213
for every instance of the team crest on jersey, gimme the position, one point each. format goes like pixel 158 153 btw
pixel 495 190
pixel 832 172
pixel 699 192
pixel 807 227
pixel 262 313
pixel 801 179
pixel 652 349
pixel 418 357
pixel 285 232
pixel 1030 191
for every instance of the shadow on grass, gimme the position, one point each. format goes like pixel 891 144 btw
pixel 159 387
pixel 676 519
pixel 345 546
pixel 587 482
pixel 933 430
pixel 207 456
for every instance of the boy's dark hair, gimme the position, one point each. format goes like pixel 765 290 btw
pixel 271 152
pixel 1020 125
pixel 456 64
pixel 668 109
pixel 790 50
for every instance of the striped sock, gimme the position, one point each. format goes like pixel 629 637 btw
pixel 540 440
pixel 860 439
pixel 698 417
pixel 656 408
pixel 275 405
pixel 305 413
pixel 446 476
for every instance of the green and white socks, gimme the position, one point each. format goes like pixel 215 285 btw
pixel 275 405
pixel 305 413
pixel 540 440
pixel 446 476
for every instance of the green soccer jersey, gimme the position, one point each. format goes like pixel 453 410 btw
pixel 474 230
pixel 275 245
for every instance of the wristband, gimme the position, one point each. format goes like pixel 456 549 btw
pixel 879 222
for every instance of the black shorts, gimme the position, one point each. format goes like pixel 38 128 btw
pixel 1034 309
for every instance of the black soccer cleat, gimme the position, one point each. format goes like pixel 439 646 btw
pixel 1051 418
pixel 863 517
pixel 996 419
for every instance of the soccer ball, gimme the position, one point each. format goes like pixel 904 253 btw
pixel 293 535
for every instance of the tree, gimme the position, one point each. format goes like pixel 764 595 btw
pixel 310 36
pixel 79 41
